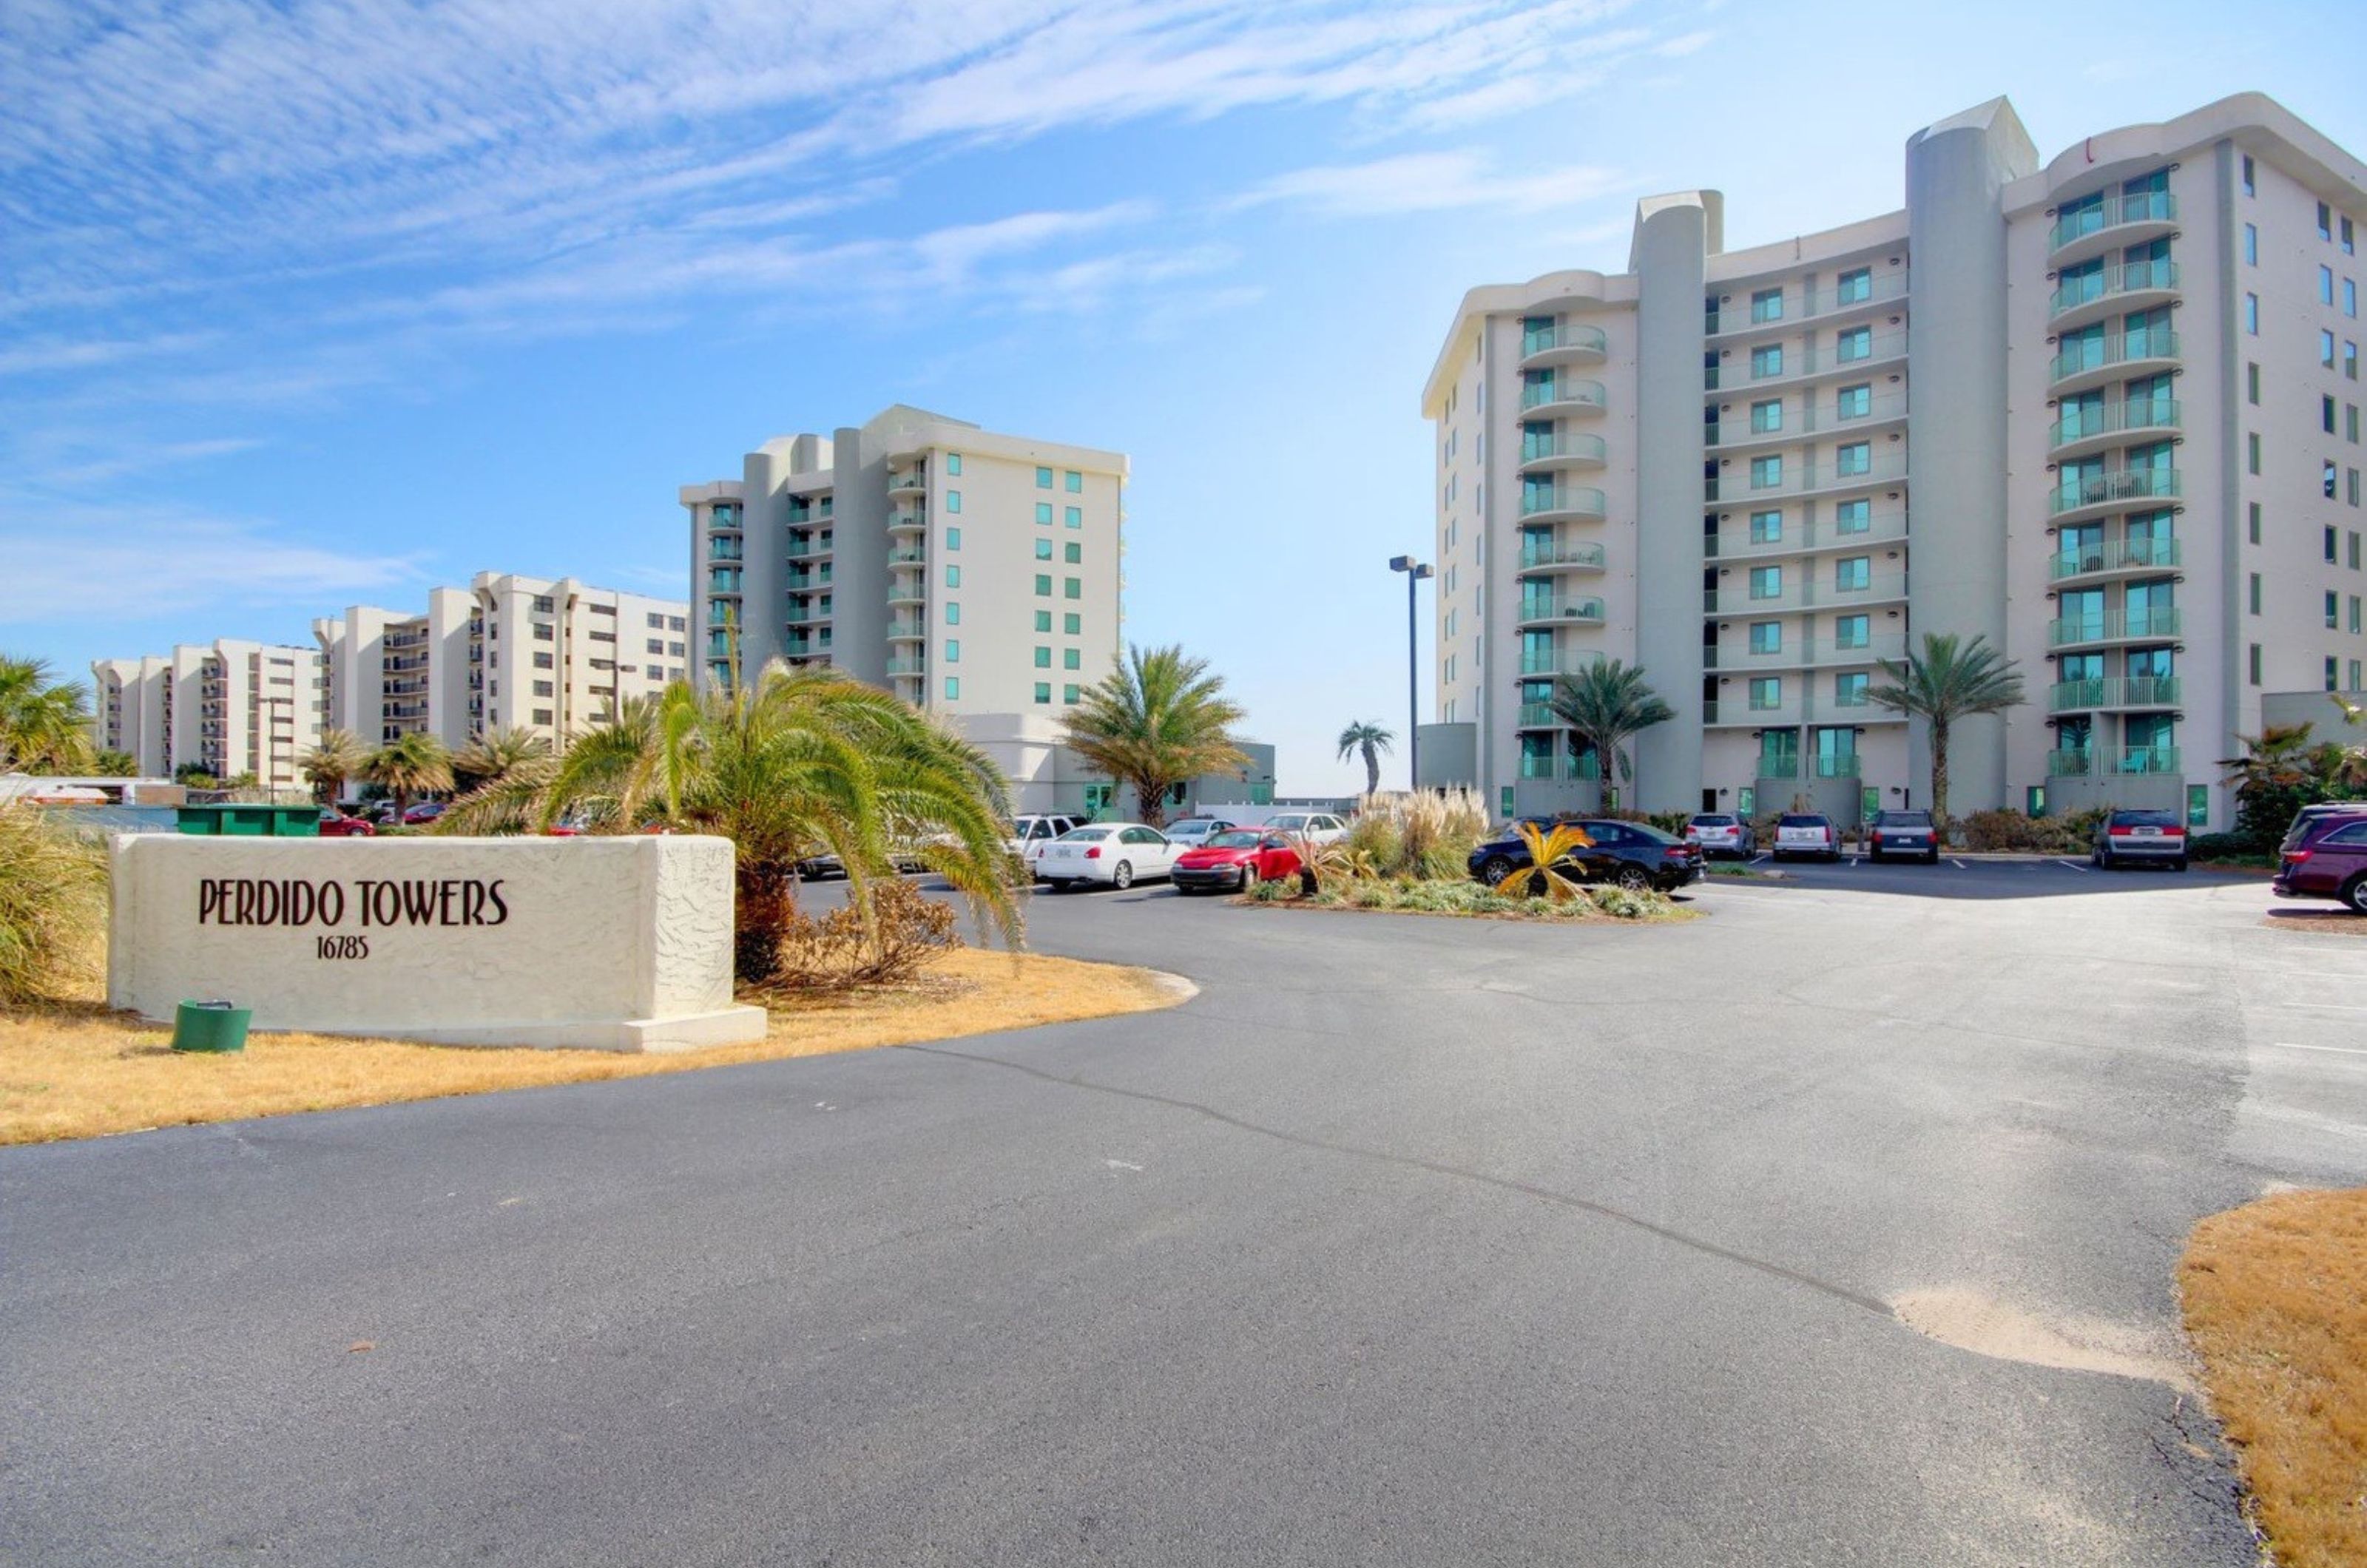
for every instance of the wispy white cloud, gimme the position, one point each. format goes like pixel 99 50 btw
pixel 64 563
pixel 1429 181
pixel 145 458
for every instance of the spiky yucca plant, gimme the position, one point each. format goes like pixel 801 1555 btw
pixel 1546 852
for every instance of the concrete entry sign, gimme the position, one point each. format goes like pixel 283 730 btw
pixel 611 943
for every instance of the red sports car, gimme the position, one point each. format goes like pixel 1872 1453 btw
pixel 1237 859
pixel 336 825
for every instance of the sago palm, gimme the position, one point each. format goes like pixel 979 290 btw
pixel 339 758
pixel 416 764
pixel 1949 680
pixel 1158 721
pixel 44 722
pixel 1607 703
pixel 1368 741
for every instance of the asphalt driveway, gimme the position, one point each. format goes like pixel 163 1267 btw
pixel 1408 1241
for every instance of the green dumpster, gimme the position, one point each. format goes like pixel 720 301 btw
pixel 252 821
pixel 210 1027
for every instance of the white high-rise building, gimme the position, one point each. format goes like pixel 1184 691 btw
pixel 2109 404
pixel 229 707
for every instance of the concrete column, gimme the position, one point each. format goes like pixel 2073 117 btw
pixel 1673 239
pixel 1956 173
pixel 764 575
pixel 859 560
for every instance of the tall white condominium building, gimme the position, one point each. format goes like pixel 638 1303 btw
pixel 229 707
pixel 975 574
pixel 2110 403
pixel 506 652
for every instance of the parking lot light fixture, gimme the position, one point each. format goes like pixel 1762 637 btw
pixel 1414 572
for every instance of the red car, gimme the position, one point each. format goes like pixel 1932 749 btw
pixel 1235 860
pixel 336 825
pixel 2326 857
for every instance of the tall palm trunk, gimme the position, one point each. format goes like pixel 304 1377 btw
pixel 1372 770
pixel 1940 781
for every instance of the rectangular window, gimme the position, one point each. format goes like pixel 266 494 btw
pixel 2326 414
pixel 1044 546
pixel 2252 452
pixel 1853 288
pixel 953 612
pixel 2330 537
pixel 1767 473
pixel 1072 588
pixel 1766 528
pixel 1044 691
pixel 542 716
pixel 2325 222
pixel 1073 517
pixel 2325 481
pixel 1767 305
pixel 1852 631
pixel 1767 582
pixel 1853 517
pixel 953 575
pixel 1043 617
pixel 1074 480
pixel 1766 693
pixel 1853 574
pixel 1072 553
pixel 1849 691
pixel 2354 549
pixel 2255 664
pixel 1043 586
pixel 2253 383
pixel 1070 695
pixel 1767 360
pixel 2354 613
pixel 2253 520
pixel 1855 343
pixel 953 688
pixel 1043 514
pixel 542 688
pixel 2351 297
pixel 2326 286
pixel 2255 593
pixel 2250 188
pixel 953 538
pixel 1854 403
pixel 2349 247
pixel 1856 458
pixel 953 650
pixel 1042 479
pixel 953 501
pixel 1043 659
pixel 2350 360
pixel 542 661
pixel 1766 418
pixel 2252 314
pixel 2333 611
pixel 1766 637
pixel 953 464
pixel 2333 674
pixel 2326 348
pixel 2252 244
pixel 1072 623
pixel 1071 659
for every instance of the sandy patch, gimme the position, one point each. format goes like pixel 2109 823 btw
pixel 1986 1327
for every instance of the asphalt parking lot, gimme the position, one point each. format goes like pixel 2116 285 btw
pixel 1408 1241
pixel 1985 876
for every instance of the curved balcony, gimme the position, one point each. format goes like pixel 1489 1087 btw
pixel 2118 288
pixel 1563 398
pixel 2121 219
pixel 2079 431
pixel 907 555
pixel 1541 455
pixel 907 631
pixel 2124 558
pixel 2083 763
pixel 1572 661
pixel 1557 610
pixel 2119 625
pixel 2115 356
pixel 2109 694
pixel 912 481
pixel 913 521
pixel 1561 503
pixel 1562 558
pixel 913 668
pixel 1563 345
pixel 2099 495
pixel 906 593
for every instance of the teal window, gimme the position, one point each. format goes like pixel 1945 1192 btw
pixel 953 688
pixel 1071 623
pixel 1849 691
pixel 1767 361
pixel 953 575
pixel 1044 691
pixel 1766 637
pixel 953 501
pixel 1854 403
pixel 1767 305
pixel 1852 631
pixel 1853 573
pixel 1767 417
pixel 2252 244
pixel 1075 481
pixel 1855 458
pixel 1767 582
pixel 1074 516
pixel 1071 659
pixel 1069 694
pixel 1043 659
pixel 1766 693
pixel 953 538
pixel 1855 343
pixel 953 650
pixel 1042 619
pixel 2198 796
pixel 1042 479
pixel 1072 588
pixel 1853 517
pixel 1043 586
pixel 1043 514
pixel 953 464
pixel 1767 473
pixel 1043 549
pixel 1072 553
pixel 1853 288
pixel 1767 527
pixel 953 612
pixel 2252 314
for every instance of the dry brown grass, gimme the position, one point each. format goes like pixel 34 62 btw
pixel 2276 1301
pixel 74 1070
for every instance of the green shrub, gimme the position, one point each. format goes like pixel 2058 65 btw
pixel 52 906
pixel 2220 847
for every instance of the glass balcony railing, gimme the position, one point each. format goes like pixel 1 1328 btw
pixel 1536 664
pixel 1538 715
pixel 2114 692
pixel 1581 501
pixel 1535 341
pixel 911 630
pixel 1538 558
pixel 898 520
pixel 2070 762
pixel 1561 390
pixel 2100 489
pixel 2142 759
pixel 907 666
pixel 1758 482
pixel 1574 770
pixel 2081 422
pixel 2118 209
pixel 1778 766
pixel 2129 278
pixel 1556 607
pixel 1842 766
pixel 2083 355
pixel 1575 448
pixel 2119 625
pixel 1809 420
pixel 2125 554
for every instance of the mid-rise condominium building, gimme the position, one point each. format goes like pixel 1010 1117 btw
pixel 229 707
pixel 506 652
pixel 2108 405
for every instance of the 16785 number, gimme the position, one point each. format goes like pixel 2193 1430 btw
pixel 341 946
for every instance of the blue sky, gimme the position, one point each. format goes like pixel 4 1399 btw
pixel 307 303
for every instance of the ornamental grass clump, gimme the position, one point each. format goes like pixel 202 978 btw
pixel 53 906
pixel 1427 836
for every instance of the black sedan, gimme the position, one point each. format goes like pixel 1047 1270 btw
pixel 1627 854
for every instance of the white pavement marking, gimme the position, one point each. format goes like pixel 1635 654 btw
pixel 2316 1006
pixel 1120 1165
pixel 2075 866
pixel 1960 865
pixel 1760 856
pixel 2338 1050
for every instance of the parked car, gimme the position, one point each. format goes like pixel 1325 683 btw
pixel 1194 831
pixel 2308 814
pixel 2329 860
pixel 336 824
pixel 1120 853
pixel 2125 838
pixel 1902 833
pixel 1627 854
pixel 1722 832
pixel 426 812
pixel 1806 833
pixel 1321 826
pixel 1237 859
pixel 1034 827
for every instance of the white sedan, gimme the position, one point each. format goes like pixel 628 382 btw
pixel 1321 826
pixel 1120 853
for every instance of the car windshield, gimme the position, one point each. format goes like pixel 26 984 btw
pixel 1802 822
pixel 1234 840
pixel 1190 825
pixel 1903 819
pixel 1713 821
pixel 1086 833
pixel 2146 819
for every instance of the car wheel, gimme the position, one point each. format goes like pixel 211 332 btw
pixel 2103 860
pixel 1249 876
pixel 1634 878
pixel 1122 876
pixel 1933 858
pixel 2354 893
pixel 1059 883
pixel 2179 864
pixel 1495 869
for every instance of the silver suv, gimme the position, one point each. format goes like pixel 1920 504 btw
pixel 1722 833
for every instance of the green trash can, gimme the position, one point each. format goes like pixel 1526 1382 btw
pixel 210 1027
pixel 252 821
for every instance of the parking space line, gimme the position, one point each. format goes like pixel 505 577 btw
pixel 2337 1050
pixel 1960 865
pixel 2317 1007
pixel 2074 864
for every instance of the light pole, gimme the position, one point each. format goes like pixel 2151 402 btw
pixel 1415 572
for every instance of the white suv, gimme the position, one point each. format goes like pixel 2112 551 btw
pixel 1321 826
pixel 1033 832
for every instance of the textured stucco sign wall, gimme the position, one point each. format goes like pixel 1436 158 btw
pixel 619 944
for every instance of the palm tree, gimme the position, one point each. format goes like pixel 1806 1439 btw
pixel 44 722
pixel 495 755
pixel 793 766
pixel 1158 721
pixel 115 764
pixel 337 758
pixel 1368 741
pixel 1606 704
pixel 1950 680
pixel 416 764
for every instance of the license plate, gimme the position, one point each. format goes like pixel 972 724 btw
pixel 2148 832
